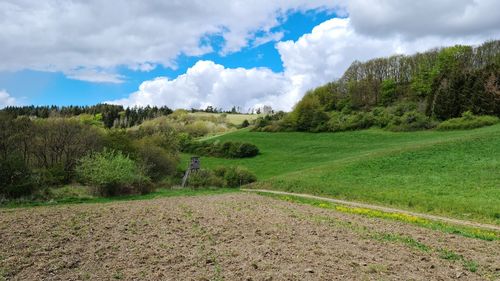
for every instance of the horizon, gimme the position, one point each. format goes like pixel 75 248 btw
pixel 253 55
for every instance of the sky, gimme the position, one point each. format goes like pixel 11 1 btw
pixel 225 53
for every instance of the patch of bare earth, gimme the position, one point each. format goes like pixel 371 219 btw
pixel 229 237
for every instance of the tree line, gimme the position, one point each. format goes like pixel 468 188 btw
pixel 110 115
pixel 428 87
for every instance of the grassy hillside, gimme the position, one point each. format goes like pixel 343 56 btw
pixel 452 173
pixel 235 119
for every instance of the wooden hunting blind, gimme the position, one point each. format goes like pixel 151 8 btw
pixel 195 163
pixel 194 166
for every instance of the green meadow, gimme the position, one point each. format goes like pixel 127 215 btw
pixel 452 173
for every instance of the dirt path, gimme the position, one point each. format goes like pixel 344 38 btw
pixel 381 208
pixel 239 236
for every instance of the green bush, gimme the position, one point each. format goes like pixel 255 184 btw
pixel 221 149
pixel 112 173
pixel 16 178
pixel 382 117
pixel 205 178
pixel 411 121
pixel 155 161
pixel 54 176
pixel 467 121
pixel 340 121
pixel 235 176
pixel 245 124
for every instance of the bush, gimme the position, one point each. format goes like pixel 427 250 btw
pixel 347 122
pixel 243 150
pixel 468 121
pixel 205 178
pixel 54 176
pixel 235 176
pixel 381 117
pixel 245 123
pixel 16 178
pixel 411 121
pixel 155 161
pixel 112 173
pixel 221 149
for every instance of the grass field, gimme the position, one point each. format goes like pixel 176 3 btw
pixel 454 173
pixel 235 119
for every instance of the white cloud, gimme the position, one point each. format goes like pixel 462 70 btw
pixel 99 75
pixel 6 99
pixel 314 59
pixel 207 83
pixel 269 37
pixel 67 36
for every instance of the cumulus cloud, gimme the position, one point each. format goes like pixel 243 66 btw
pixel 314 59
pixel 68 36
pixel 6 99
pixel 207 83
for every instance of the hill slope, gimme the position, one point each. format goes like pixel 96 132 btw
pixel 451 173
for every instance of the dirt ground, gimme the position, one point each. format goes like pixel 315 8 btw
pixel 229 237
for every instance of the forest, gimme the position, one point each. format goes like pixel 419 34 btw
pixel 404 93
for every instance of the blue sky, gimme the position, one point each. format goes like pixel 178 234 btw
pixel 221 53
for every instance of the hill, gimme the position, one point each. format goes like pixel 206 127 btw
pixel 443 172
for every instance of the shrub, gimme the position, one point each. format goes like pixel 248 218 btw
pixel 235 176
pixel 54 176
pixel 411 121
pixel 468 121
pixel 16 178
pixel 243 150
pixel 245 123
pixel 221 149
pixel 381 117
pixel 155 161
pixel 340 121
pixel 112 173
pixel 205 178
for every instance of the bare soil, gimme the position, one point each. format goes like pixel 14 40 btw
pixel 229 237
